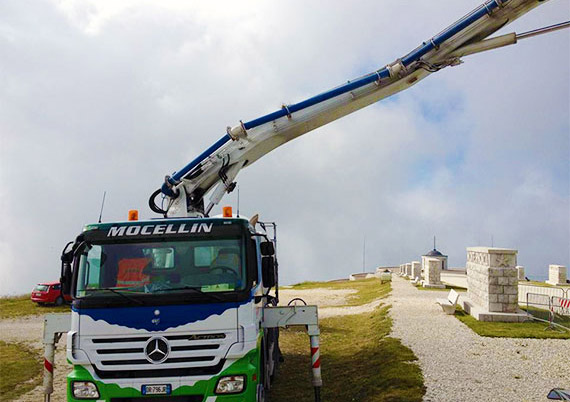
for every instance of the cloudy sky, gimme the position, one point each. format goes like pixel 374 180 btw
pixel 112 95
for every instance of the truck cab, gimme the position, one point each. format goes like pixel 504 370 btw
pixel 170 310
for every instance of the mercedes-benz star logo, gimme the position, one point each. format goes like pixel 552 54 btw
pixel 157 350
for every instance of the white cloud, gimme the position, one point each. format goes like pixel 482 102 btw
pixel 112 95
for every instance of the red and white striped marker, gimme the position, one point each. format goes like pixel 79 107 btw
pixel 564 303
pixel 49 356
pixel 316 361
pixel 48 366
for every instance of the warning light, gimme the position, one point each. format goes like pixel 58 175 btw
pixel 227 212
pixel 133 215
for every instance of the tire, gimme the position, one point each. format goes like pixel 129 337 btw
pixel 277 356
pixel 59 301
pixel 261 396
pixel 265 379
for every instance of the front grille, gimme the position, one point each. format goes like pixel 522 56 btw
pixel 115 351
pixel 159 373
pixel 169 360
pixel 119 340
pixel 197 353
pixel 189 398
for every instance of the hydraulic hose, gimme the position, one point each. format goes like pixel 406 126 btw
pixel 152 204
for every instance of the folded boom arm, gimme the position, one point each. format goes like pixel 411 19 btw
pixel 217 167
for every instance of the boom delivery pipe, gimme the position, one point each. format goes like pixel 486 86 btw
pixel 246 142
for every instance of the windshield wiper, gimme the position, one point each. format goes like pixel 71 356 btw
pixel 120 293
pixel 195 289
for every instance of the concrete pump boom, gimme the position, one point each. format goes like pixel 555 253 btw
pixel 218 166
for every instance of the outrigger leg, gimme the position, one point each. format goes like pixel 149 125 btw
pixel 283 317
pixel 54 326
pixel 314 333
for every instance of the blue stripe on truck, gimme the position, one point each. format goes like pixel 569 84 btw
pixel 172 316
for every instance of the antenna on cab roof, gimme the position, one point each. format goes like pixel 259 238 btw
pixel 102 205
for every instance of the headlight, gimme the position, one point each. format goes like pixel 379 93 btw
pixel 230 385
pixel 85 390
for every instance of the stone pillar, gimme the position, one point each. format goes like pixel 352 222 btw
pixel 556 275
pixel 492 282
pixel 408 269
pixel 416 269
pixel 432 273
pixel 402 269
pixel 520 273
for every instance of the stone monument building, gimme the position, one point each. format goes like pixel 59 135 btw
pixel 436 255
pixel 492 284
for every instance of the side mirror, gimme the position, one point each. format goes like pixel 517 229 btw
pixel 268 271
pixel 267 248
pixel 65 279
pixel 66 273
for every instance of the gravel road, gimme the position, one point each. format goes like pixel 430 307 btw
pixel 459 365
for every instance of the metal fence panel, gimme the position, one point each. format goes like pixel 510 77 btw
pixel 539 306
pixel 542 290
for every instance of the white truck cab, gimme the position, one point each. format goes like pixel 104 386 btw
pixel 171 307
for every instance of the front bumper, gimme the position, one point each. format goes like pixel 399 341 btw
pixel 202 387
pixel 42 299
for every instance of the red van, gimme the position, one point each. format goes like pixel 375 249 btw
pixel 49 293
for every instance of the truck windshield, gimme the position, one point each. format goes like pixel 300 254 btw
pixel 159 267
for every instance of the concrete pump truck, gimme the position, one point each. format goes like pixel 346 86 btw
pixel 185 308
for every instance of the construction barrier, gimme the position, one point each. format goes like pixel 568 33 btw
pixel 560 311
pixel 554 310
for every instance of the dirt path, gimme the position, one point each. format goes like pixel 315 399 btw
pixel 331 302
pixel 29 330
pixel 26 329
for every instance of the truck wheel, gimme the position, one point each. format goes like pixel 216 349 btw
pixel 265 379
pixel 266 375
pixel 260 397
pixel 277 356
pixel 59 301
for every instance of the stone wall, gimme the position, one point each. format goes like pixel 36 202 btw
pixel 556 275
pixel 416 269
pixel 408 269
pixel 432 271
pixel 492 279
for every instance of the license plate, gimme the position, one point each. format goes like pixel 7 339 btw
pixel 161 389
